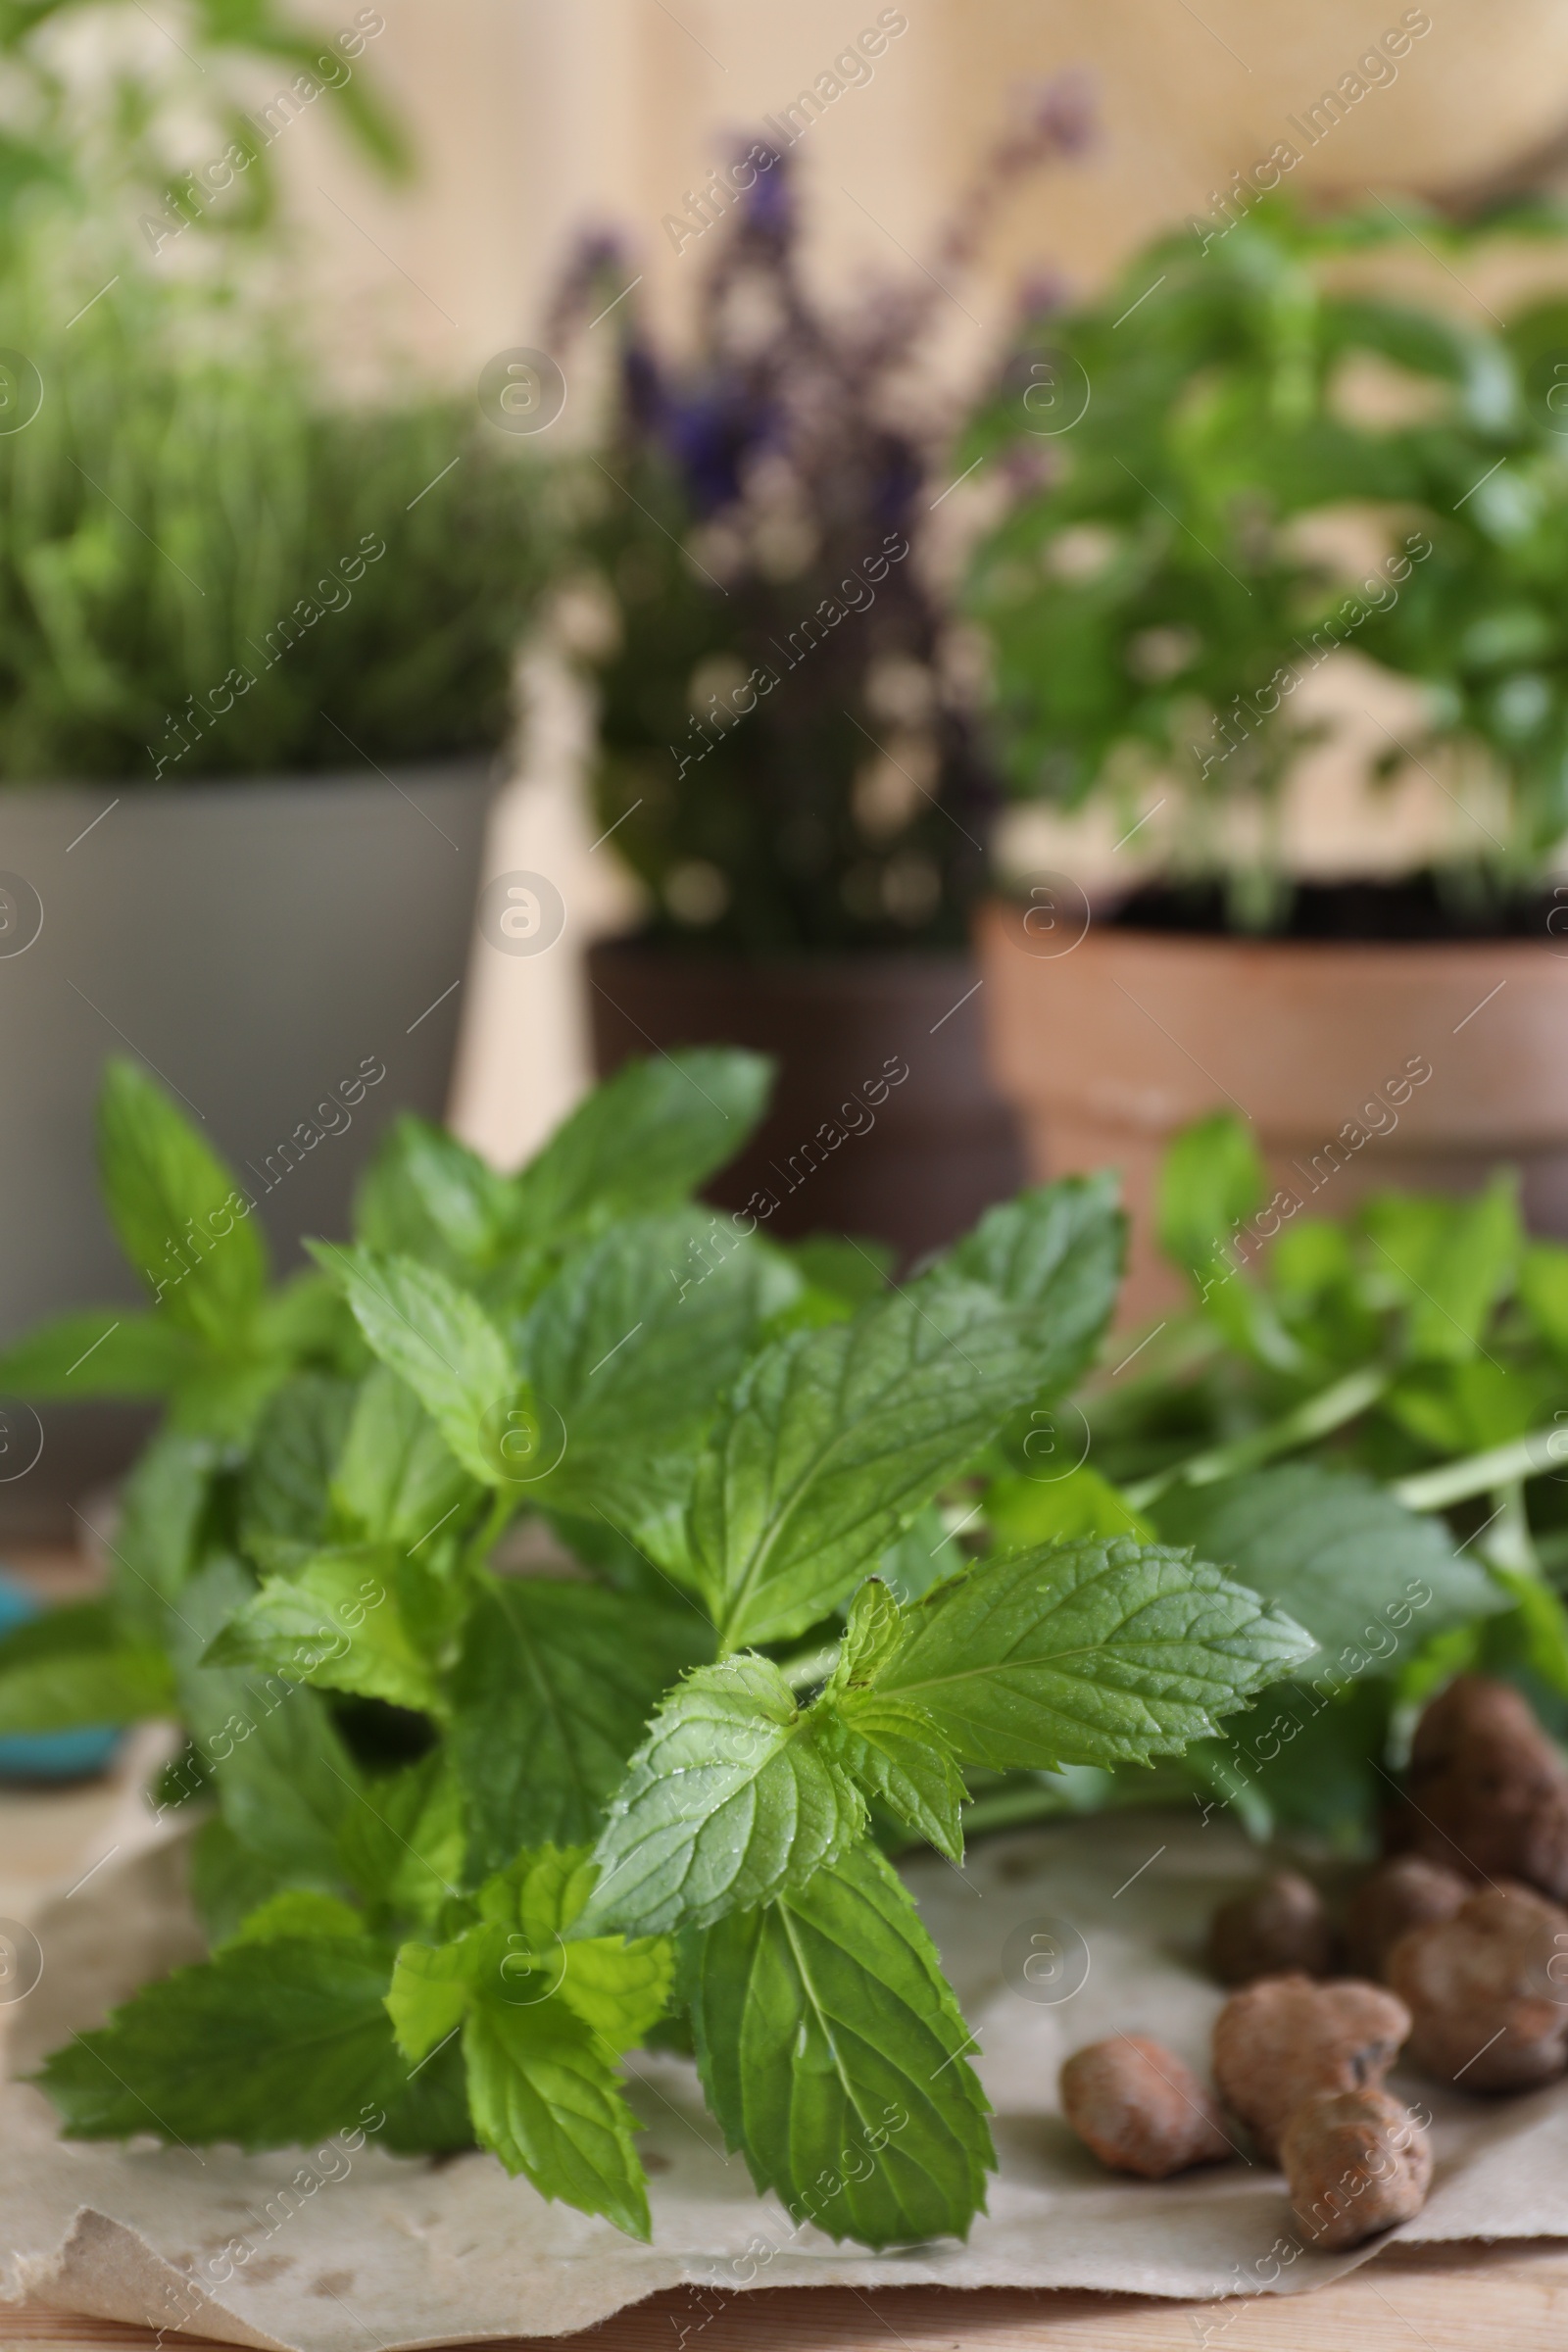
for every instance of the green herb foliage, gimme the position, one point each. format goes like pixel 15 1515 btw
pixel 468 1835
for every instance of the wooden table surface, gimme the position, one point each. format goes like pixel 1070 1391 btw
pixel 1442 2298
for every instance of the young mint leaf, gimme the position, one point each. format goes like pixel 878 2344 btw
pixel 922 1557
pixel 183 1222
pixel 832 1442
pixel 395 1477
pixel 895 1754
pixel 295 1912
pixel 1448 1263
pixel 268 2043
pixel 1056 1251
pixel 283 1507
pixel 334 1623
pixel 306 1322
pixel 1352 1564
pixel 282 1775
pixel 619 1988
pixel 155 1547
pixel 441 1342
pixel 643 1141
pixel 1106 1652
pixel 1211 1181
pixel 426 1196
pixel 892 1751
pixel 99 1351
pixel 549 1697
pixel 542 2085
pixel 841 1276
pixel 227 1881
pixel 633 1344
pixel 76 1666
pixel 733 1795
pixel 831 2049
pixel 545 2098
pixel 1031 1510
pixel 1544 1293
pixel 403 1847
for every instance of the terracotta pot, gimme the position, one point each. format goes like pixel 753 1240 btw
pixel 1110 1042
pixel 918 1156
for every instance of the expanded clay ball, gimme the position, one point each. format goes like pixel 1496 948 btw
pixel 1355 2164
pixel 1405 1893
pixel 1278 2042
pixel 1276 1929
pixel 1487 2009
pixel 1486 1789
pixel 1140 2108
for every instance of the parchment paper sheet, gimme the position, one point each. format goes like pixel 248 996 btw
pixel 404 2253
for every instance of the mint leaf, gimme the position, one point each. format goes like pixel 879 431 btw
pixel 1104 1652
pixel 295 1912
pixel 403 1847
pixel 334 1623
pixel 282 1775
pixel 842 1275
pixel 227 1881
pixel 1056 1251
pixel 622 1990
pixel 545 2098
pixel 98 1352
pixel 75 1666
pixel 1211 1181
pixel 549 1697
pixel 1036 1510
pixel 1353 1565
pixel 283 1502
pixel 268 2043
pixel 643 1141
pixel 732 1797
pixel 896 1755
pixel 183 1222
pixel 155 1547
pixel 542 2087
pixel 438 1340
pixel 395 1477
pixel 1447 1262
pixel 832 1442
pixel 633 1344
pixel 831 2048
pixel 426 1196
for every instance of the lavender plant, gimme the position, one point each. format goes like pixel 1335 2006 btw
pixel 788 748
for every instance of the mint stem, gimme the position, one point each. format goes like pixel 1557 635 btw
pixel 1478 1473
pixel 1328 1410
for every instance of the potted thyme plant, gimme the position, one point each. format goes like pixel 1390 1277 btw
pixel 255 664
pixel 1159 597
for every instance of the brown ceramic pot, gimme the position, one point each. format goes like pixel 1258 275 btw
pixel 918 1156
pixel 1360 1066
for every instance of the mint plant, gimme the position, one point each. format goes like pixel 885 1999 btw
pixel 467 1837
pixel 1365 1415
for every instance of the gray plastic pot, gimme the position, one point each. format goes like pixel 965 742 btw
pixel 262 948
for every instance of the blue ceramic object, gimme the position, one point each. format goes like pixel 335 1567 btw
pixel 47 1755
